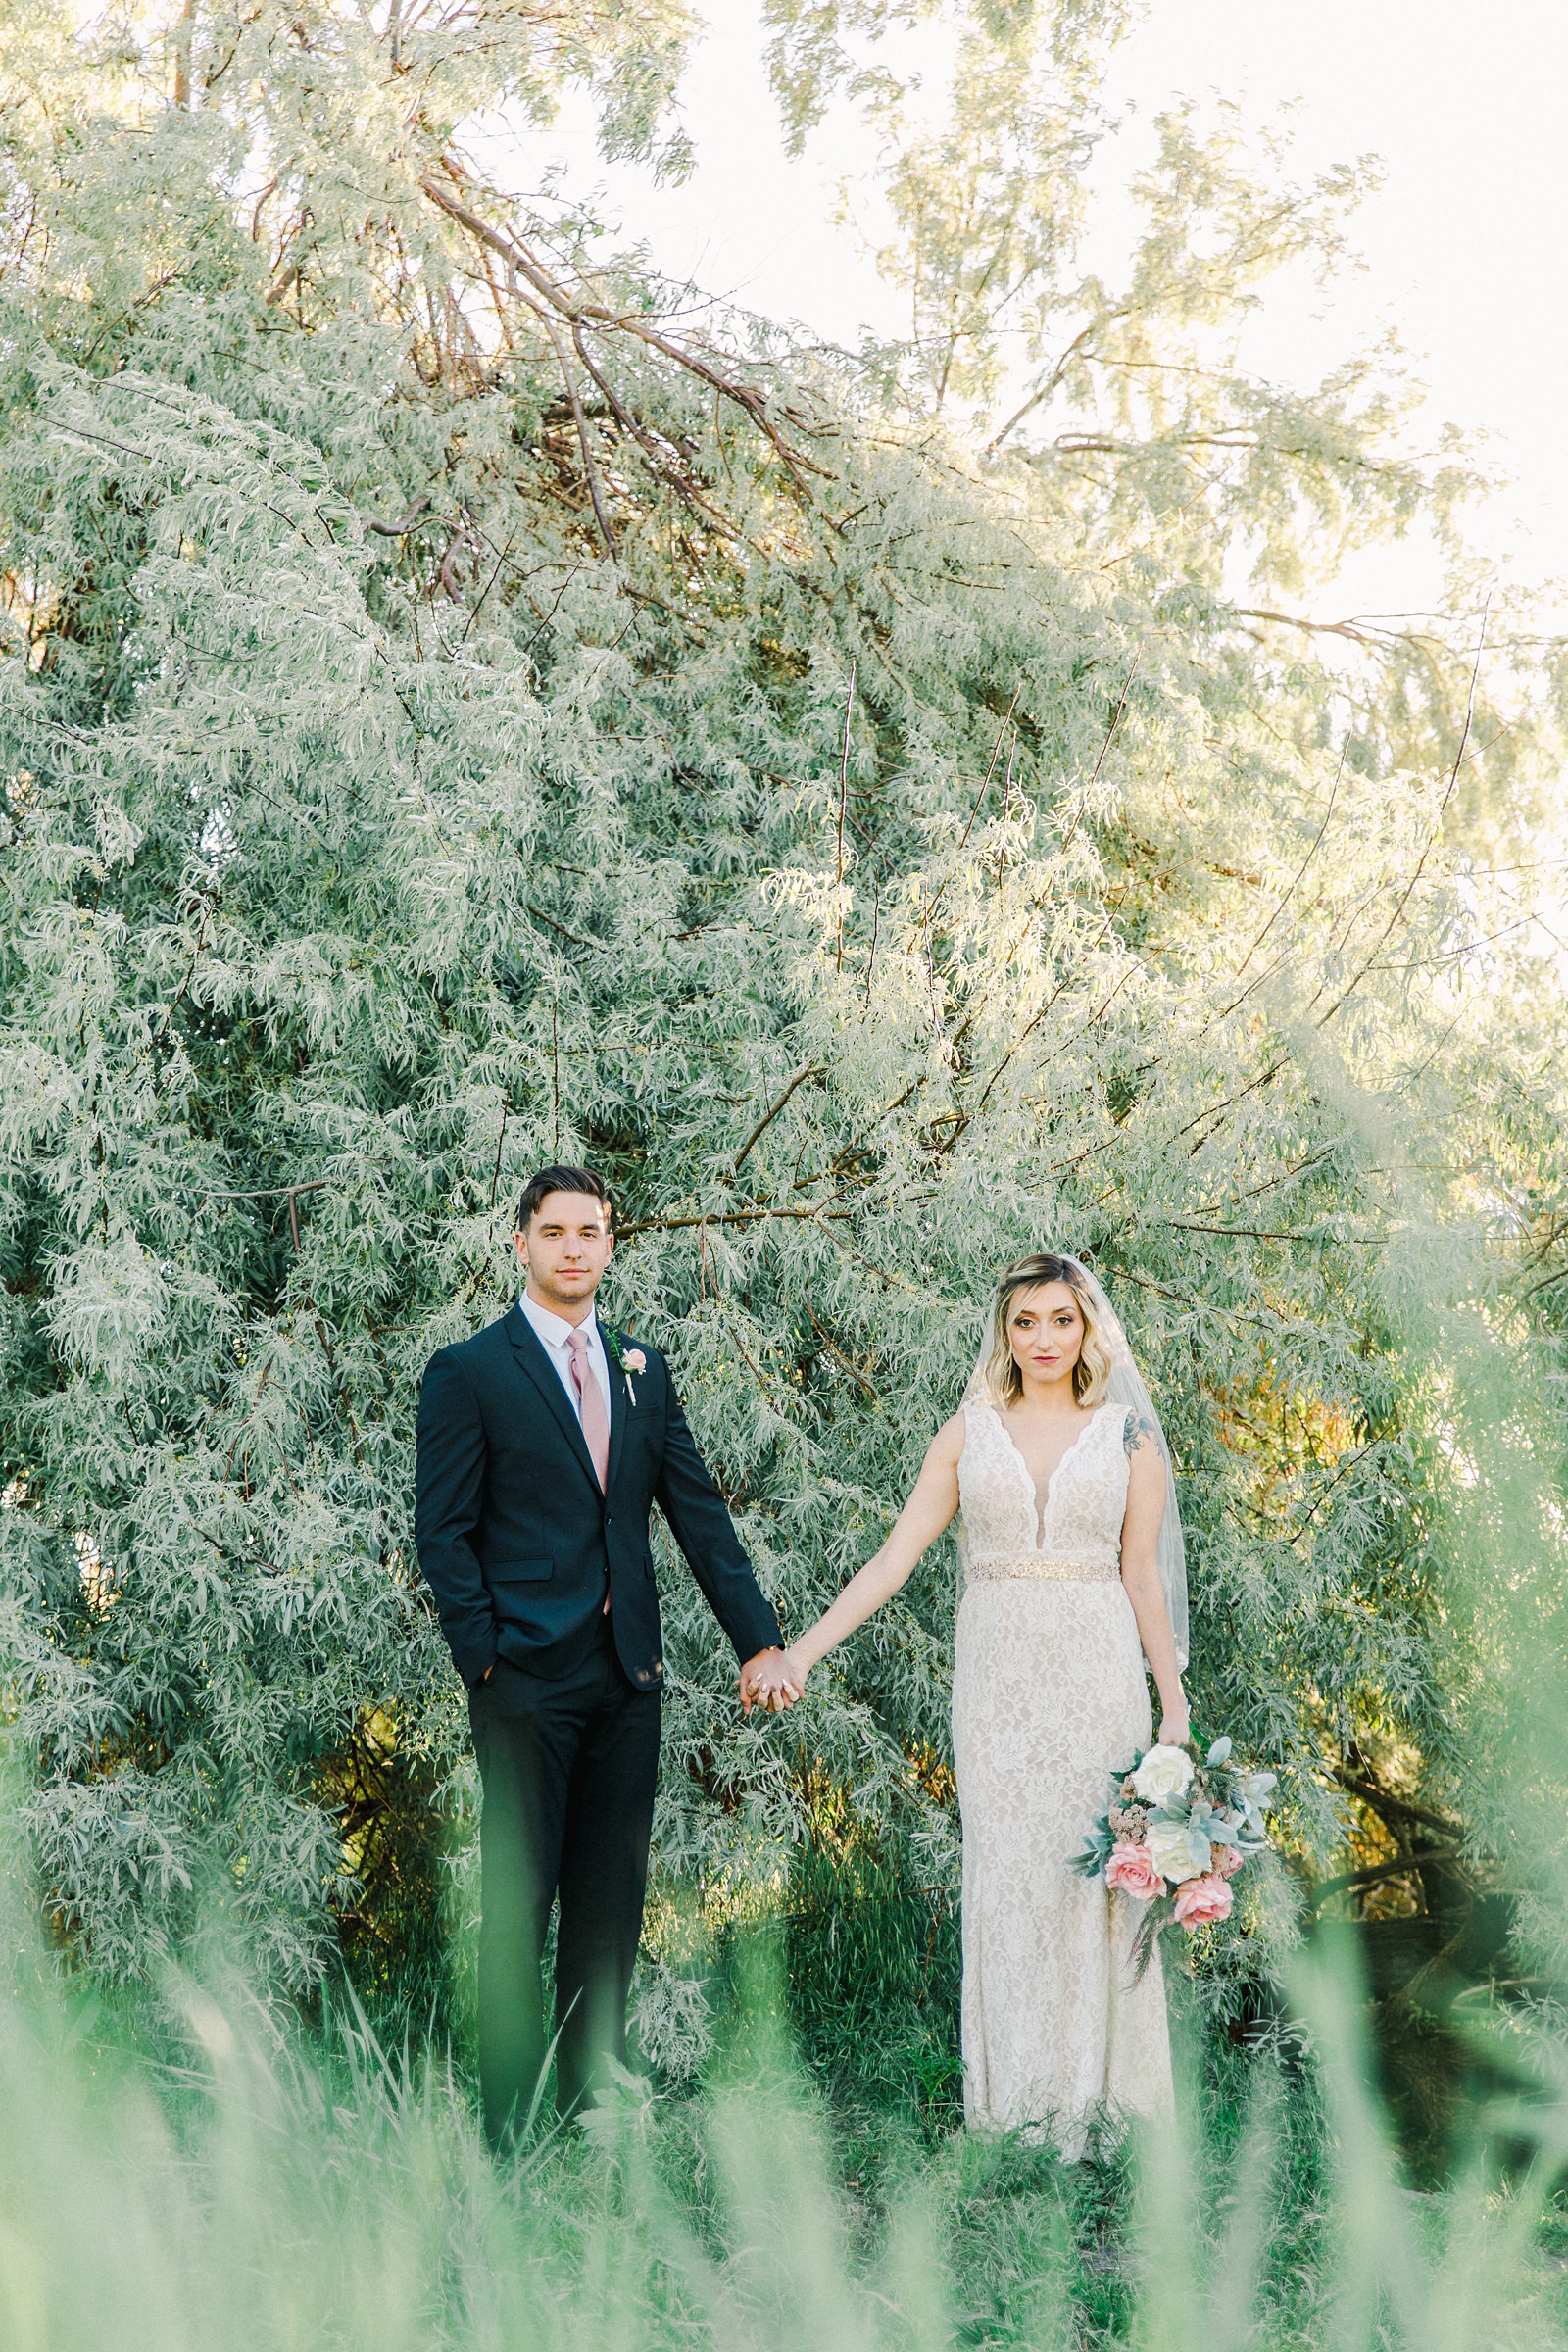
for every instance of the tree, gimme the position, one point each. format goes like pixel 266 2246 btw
pixel 450 719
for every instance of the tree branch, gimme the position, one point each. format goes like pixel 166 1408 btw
pixel 1382 1800
pixel 733 1216
pixel 808 1069
pixel 747 397
pixel 1356 1881
pixel 844 793
pixel 589 469
pixel 1437 826
pixel 1296 620
pixel 405 523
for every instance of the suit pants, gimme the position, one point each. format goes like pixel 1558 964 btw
pixel 568 1766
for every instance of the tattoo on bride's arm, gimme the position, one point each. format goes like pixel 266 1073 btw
pixel 1139 1433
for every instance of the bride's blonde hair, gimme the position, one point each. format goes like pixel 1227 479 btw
pixel 1091 1374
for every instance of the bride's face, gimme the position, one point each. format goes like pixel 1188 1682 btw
pixel 1046 1332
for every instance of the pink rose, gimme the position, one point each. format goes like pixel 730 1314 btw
pixel 1228 1860
pixel 634 1360
pixel 1200 1900
pixel 1132 1869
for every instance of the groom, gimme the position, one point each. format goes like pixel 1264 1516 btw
pixel 543 1443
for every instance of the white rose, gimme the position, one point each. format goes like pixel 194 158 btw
pixel 1164 1772
pixel 1166 1841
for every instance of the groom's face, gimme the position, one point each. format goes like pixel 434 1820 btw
pixel 565 1251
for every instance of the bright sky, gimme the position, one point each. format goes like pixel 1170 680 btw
pixel 1464 244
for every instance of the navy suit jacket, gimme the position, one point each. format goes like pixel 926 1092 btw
pixel 516 1540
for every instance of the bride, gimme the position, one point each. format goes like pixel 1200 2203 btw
pixel 1072 1560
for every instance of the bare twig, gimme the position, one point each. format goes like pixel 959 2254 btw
pixel 680 482
pixel 836 1352
pixel 1394 920
pixel 1295 885
pixel 844 793
pixel 733 1217
pixel 996 754
pixel 1006 812
pixel 576 938
pixel 876 922
pixel 1043 392
pixel 495 1173
pixel 589 469
pixel 1093 773
pixel 808 1069
pixel 406 521
pixel 272 1192
pixel 280 1192
pixel 1317 628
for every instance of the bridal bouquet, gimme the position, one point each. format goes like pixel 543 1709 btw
pixel 1178 1827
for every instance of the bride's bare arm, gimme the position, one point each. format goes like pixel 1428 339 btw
pixel 931 1506
pixel 1140 1572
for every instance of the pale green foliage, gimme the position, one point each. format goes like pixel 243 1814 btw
pixel 869 874
pixel 821 49
pixel 811 55
pixel 1134 394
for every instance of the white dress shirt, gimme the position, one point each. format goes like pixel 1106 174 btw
pixel 554 1335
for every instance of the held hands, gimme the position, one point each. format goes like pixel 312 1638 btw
pixel 771 1680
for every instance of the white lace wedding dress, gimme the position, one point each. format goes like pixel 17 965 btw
pixel 1049 1696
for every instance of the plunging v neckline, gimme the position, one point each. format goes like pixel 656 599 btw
pixel 1041 1508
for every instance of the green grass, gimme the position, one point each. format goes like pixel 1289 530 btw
pixel 195 2173
pixel 187 2170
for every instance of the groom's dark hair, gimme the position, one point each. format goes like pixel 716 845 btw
pixel 538 1189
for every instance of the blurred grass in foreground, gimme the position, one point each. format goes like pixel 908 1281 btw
pixel 206 2176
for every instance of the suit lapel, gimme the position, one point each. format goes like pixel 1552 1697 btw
pixel 533 1361
pixel 619 1407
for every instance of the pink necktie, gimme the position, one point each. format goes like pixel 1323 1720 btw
pixel 591 1406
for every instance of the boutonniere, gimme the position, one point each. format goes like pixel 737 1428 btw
pixel 630 1360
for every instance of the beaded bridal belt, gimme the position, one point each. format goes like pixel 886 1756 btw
pixel 1037 1565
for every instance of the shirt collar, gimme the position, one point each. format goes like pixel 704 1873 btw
pixel 554 1330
